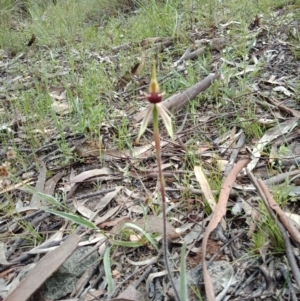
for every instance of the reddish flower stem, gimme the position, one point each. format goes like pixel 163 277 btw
pixel 163 198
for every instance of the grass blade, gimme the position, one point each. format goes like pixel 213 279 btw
pixel 147 235
pixel 49 198
pixel 129 244
pixel 73 217
pixel 107 270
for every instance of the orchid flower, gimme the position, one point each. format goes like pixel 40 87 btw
pixel 156 107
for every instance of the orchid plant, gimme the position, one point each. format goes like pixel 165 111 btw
pixel 156 109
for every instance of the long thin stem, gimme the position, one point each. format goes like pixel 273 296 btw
pixel 163 198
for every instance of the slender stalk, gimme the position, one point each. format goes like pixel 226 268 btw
pixel 163 198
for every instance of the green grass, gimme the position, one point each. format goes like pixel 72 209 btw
pixel 268 233
pixel 72 38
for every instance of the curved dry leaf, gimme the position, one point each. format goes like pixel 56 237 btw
pixel 108 198
pixel 206 190
pixel 51 183
pixel 17 279
pixel 83 210
pixel 101 219
pixel 91 296
pixel 283 90
pixel 113 222
pixel 201 178
pixel 150 224
pixel 122 299
pixel 93 239
pixel 62 108
pixel 90 174
pixel 154 224
pixel 152 276
pixel 219 212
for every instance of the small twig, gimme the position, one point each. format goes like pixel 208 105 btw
pixel 92 272
pixel 253 297
pixel 284 108
pixel 38 219
pixel 252 277
pixel 234 154
pixel 182 58
pixel 93 249
pixel 14 246
pixel 222 248
pixel 143 277
pixel 218 214
pixel 282 177
pixel 90 195
pixel 136 283
pixel 224 291
pixel 183 146
pixel 285 275
pixel 194 54
pixel 98 278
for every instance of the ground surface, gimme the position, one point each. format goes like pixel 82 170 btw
pixel 72 83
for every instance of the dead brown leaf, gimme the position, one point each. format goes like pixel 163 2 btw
pixel 205 187
pixel 51 183
pixel 219 212
pixel 206 190
pixel 111 212
pixel 103 202
pixel 82 209
pixel 113 222
pixel 44 269
pixel 91 173
pixel 151 224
